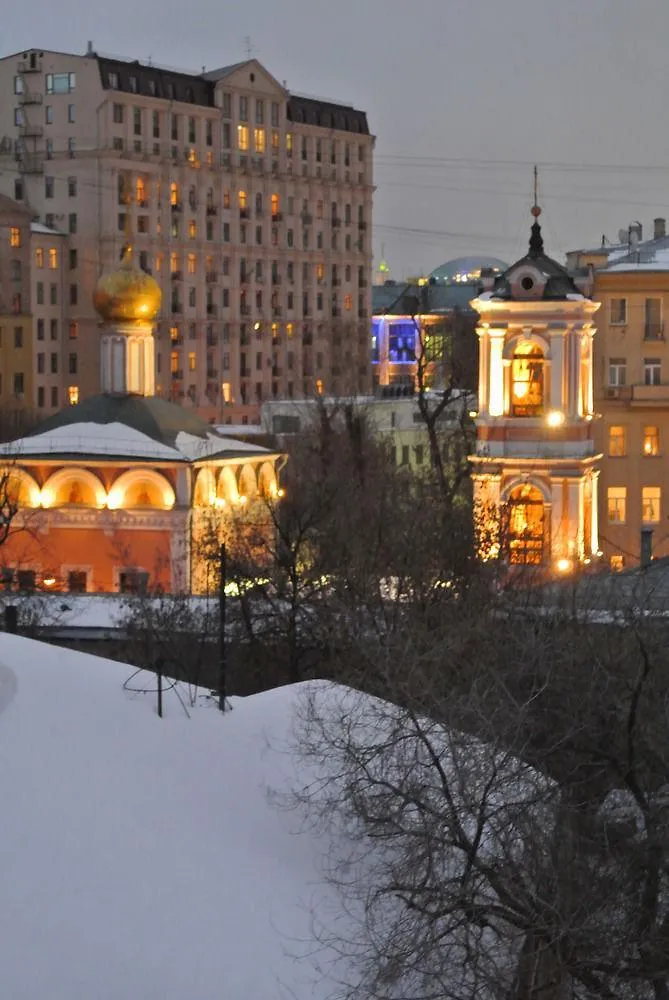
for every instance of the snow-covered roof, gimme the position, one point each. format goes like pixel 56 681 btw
pixel 39 227
pixel 113 440
pixel 143 857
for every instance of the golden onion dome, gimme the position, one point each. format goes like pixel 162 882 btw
pixel 128 294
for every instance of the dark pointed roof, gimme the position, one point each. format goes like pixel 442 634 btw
pixel 558 282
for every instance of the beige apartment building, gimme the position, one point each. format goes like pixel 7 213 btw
pixel 250 206
pixel 631 392
pixel 16 332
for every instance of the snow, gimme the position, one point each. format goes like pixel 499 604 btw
pixel 93 439
pixel 194 448
pixel 143 857
pixel 574 297
pixel 39 227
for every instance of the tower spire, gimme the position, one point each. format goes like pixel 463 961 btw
pixel 536 241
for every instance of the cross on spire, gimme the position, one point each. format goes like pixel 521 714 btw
pixel 536 242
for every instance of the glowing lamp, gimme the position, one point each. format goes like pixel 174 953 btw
pixel 219 502
pixel 555 418
pixel 281 493
pixel 114 499
pixel 49 581
pixel 241 500
pixel 563 565
pixel 520 389
pixel 473 414
pixel 46 497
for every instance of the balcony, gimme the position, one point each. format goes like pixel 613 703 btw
pixel 649 394
pixel 32 66
pixel 212 210
pixel 28 131
pixel 245 310
pixel 277 216
pixel 176 276
pixel 175 206
pixel 176 374
pixel 30 97
pixel 31 164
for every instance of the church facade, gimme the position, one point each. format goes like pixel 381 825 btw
pixel 535 469
pixel 121 491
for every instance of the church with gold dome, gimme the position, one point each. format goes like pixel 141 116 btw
pixel 119 491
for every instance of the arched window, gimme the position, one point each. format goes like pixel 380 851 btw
pixel 527 381
pixel 526 526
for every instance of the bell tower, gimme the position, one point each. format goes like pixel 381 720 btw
pixel 535 468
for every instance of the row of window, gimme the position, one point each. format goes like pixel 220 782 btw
pixel 54 83
pixel 192 232
pixel 652 372
pixel 20 118
pixel 73 329
pixel 72 363
pixel 651 309
pixel 651 503
pixel 650 442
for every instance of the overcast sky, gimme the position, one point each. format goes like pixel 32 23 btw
pixel 463 97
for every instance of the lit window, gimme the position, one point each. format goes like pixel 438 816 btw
pixel 226 389
pixel 174 333
pixel 527 382
pixel 140 191
pixel 650 504
pixel 319 386
pixel 243 200
pixel 289 330
pixel 289 143
pixel 174 193
pixel 617 442
pixel 14 236
pixel 174 362
pixel 617 563
pixel 348 302
pixel 53 258
pixel 191 263
pixel 174 262
pixel 39 257
pixel 73 394
pixel 617 504
pixel 191 361
pixel 651 440
pixel 192 229
pixel 259 140
pixel 243 137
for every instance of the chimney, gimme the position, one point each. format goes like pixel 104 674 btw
pixel 646 547
pixel 635 233
pixel 89 50
pixel 659 228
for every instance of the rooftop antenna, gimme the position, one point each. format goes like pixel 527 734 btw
pixel 249 46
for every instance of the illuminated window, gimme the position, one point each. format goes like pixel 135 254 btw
pixel 650 504
pixel 192 229
pixel 192 261
pixel 289 330
pixel 259 140
pixel 39 257
pixel 289 143
pixel 174 362
pixel 73 394
pixel 617 441
pixel 526 526
pixel 616 499
pixel 140 191
pixel 174 262
pixel 174 193
pixel 226 389
pixel 527 382
pixel 651 440
pixel 319 386
pixel 192 361
pixel 276 203
pixel 53 258
pixel 243 200
pixel 226 198
pixel 617 563
pixel 243 137
pixel 174 333
pixel 158 263
pixel 14 236
pixel 348 302
pixel 320 272
pixel 275 140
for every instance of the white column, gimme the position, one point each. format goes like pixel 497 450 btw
pixel 557 369
pixel 575 518
pixel 594 521
pixel 589 395
pixel 557 527
pixel 484 347
pixel 496 375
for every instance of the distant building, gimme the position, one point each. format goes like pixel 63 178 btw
pixel 631 390
pixel 440 306
pixel 251 207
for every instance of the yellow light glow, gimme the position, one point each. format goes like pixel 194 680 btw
pixel 280 493
pixel 114 499
pixel 49 581
pixel 564 565
pixel 219 502
pixel 46 497
pixel 473 414
pixel 520 389
pixel 647 447
pixel 555 418
pixel 256 326
pixel 241 500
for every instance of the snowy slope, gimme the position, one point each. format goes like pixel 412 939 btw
pixel 140 858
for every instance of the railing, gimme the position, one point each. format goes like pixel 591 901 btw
pixel 30 67
pixel 177 373
pixel 277 216
pixel 30 97
pixel 212 210
pixel 650 393
pixel 31 131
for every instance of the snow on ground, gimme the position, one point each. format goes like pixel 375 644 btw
pixel 142 857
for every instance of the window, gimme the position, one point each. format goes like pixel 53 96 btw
pixel 243 137
pixel 72 187
pixel 617 371
pixel 650 504
pixel 653 329
pixel 652 371
pixel 617 441
pixel 14 236
pixel 118 114
pixel 192 361
pixel 53 329
pixel 53 258
pixel 289 144
pixel 48 115
pixel 48 187
pixel 71 116
pixel 18 116
pixel 40 329
pixel 18 336
pixel 192 229
pixel 616 500
pixel 40 363
pixel 259 140
pixel 133 84
pixel 18 383
pixel 208 132
pixel 617 563
pixel 74 295
pixel 54 364
pixel 243 109
pixel 112 81
pixel 73 330
pixel 18 84
pixel 63 83
pixel 40 396
pixel 226 104
pixel 192 263
pixel 651 440
pixel 77 579
pixel 72 364
pixel 18 189
pixel 527 381
pixel 40 293
pixel 54 395
pixel 72 222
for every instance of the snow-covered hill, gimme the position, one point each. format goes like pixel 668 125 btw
pixel 142 858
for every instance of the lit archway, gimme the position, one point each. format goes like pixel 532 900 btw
pixel 526 526
pixel 227 485
pixel 205 489
pixel 248 484
pixel 73 487
pixel 527 380
pixel 141 488
pixel 267 483
pixel 19 487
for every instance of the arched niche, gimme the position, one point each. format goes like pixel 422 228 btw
pixel 141 488
pixel 267 483
pixel 204 494
pixel 19 487
pixel 227 485
pixel 248 484
pixel 73 487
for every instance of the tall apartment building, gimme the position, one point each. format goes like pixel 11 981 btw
pixel 16 365
pixel 251 206
pixel 631 391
